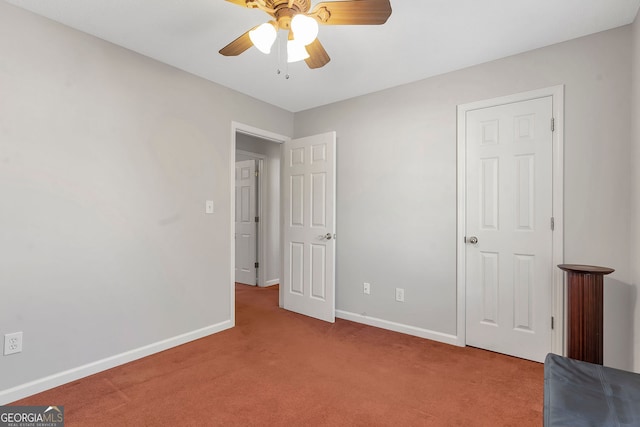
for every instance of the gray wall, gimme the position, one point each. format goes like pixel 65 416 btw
pixel 396 181
pixel 106 160
pixel 635 159
pixel 270 200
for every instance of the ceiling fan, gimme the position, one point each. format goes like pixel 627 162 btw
pixel 302 25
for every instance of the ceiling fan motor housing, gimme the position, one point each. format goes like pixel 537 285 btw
pixel 284 14
pixel 299 5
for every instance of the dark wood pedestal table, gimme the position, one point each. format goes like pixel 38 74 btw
pixel 584 302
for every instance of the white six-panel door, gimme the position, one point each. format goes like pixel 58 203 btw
pixel 308 195
pixel 246 227
pixel 508 210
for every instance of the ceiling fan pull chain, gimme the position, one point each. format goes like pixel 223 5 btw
pixel 279 56
pixel 286 70
pixel 281 60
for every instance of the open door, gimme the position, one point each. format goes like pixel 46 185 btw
pixel 246 227
pixel 308 200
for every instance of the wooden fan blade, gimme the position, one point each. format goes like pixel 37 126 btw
pixel 318 57
pixel 354 12
pixel 238 46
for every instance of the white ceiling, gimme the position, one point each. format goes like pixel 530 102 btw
pixel 422 38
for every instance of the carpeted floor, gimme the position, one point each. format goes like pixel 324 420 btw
pixel 280 368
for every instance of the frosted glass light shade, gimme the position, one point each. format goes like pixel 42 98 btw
pixel 263 37
pixel 296 51
pixel 305 29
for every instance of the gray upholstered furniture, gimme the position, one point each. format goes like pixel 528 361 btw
pixel 580 394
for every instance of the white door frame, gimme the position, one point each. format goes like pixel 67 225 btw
pixel 557 297
pixel 237 127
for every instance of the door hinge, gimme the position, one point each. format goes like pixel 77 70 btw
pixel 552 325
pixel 257 219
pixel 257 264
pixel 553 223
pixel 256 173
pixel 553 124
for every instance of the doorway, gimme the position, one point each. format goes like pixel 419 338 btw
pixel 510 297
pixel 257 203
pixel 248 142
pixel 309 203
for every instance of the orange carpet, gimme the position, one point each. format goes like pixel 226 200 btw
pixel 280 368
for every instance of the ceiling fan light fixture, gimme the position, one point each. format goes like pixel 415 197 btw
pixel 263 37
pixel 296 51
pixel 301 21
pixel 305 29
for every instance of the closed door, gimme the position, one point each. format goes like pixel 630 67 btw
pixel 246 227
pixel 308 194
pixel 509 229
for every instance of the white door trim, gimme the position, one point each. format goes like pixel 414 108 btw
pixel 260 133
pixel 557 303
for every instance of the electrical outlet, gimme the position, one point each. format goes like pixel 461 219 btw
pixel 366 288
pixel 12 343
pixel 400 294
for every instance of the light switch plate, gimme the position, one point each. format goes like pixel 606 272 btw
pixel 209 207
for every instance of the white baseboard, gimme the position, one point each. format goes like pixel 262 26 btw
pixel 55 380
pixel 399 327
pixel 271 282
